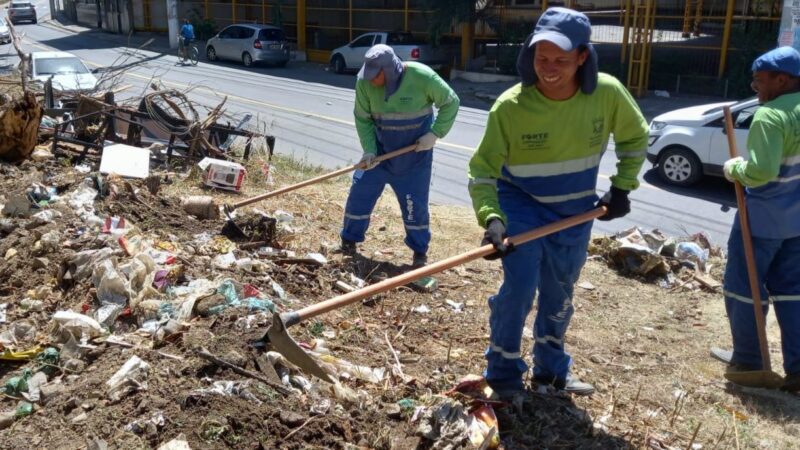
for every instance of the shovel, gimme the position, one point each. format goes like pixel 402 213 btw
pixel 229 208
pixel 756 378
pixel 283 343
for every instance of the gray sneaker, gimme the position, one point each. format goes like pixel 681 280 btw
pixel 572 385
pixel 575 386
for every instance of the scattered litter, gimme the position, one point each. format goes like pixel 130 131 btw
pixel 346 369
pixel 318 258
pixel 421 309
pixel 179 443
pixel 79 326
pixel 126 161
pixel 457 307
pixel 426 284
pixel 230 388
pixel 222 174
pixel 130 377
pixel 446 424
pixel 586 285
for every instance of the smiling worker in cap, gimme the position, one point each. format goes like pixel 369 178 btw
pixel 772 178
pixel 394 109
pixel 538 163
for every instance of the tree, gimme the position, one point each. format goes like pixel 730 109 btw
pixel 443 14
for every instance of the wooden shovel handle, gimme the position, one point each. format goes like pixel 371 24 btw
pixel 333 174
pixel 749 254
pixel 293 317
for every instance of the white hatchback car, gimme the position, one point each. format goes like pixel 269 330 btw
pixel 69 74
pixel 688 143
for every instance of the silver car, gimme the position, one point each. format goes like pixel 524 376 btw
pixel 21 11
pixel 5 34
pixel 250 44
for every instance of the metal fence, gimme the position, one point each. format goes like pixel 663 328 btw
pixel 697 46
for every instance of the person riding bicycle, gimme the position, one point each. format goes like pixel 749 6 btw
pixel 186 36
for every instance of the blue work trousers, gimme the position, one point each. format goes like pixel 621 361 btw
pixel 411 188
pixel 551 267
pixel 778 269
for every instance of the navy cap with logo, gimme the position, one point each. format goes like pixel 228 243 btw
pixel 569 30
pixel 782 59
pixel 564 27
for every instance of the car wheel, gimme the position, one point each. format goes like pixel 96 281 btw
pixel 211 54
pixel 247 60
pixel 679 166
pixel 338 64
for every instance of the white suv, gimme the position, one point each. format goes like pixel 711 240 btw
pixel 688 143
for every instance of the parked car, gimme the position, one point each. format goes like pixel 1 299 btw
pixel 21 12
pixel 405 46
pixel 68 72
pixel 250 44
pixel 688 143
pixel 5 35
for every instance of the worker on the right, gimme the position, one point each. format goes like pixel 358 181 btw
pixel 772 178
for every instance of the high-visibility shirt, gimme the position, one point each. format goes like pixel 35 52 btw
pixel 772 173
pixel 551 150
pixel 385 125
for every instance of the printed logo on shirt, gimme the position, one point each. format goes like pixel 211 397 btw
pixel 598 125
pixel 534 141
pixel 405 100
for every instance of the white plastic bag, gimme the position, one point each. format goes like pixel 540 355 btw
pixel 131 376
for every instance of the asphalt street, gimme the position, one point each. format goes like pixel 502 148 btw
pixel 309 110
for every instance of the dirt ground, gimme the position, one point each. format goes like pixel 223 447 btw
pixel 645 348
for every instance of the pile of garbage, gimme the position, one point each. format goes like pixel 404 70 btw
pixel 111 290
pixel 673 263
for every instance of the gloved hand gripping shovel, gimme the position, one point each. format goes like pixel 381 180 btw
pixel 229 208
pixel 278 338
pixel 764 377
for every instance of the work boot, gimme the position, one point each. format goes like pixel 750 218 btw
pixel 347 248
pixel 792 383
pixel 420 259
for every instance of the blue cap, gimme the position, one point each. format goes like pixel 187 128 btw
pixel 567 28
pixel 782 59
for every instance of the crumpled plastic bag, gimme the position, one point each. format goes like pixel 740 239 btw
pixel 82 264
pixel 446 424
pixel 112 288
pixel 131 376
pixel 79 326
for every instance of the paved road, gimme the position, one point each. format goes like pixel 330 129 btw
pixel 310 112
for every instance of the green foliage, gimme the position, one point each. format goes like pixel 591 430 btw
pixel 204 28
pixel 750 40
pixel 443 14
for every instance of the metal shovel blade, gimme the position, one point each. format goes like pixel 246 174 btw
pixel 756 378
pixel 284 344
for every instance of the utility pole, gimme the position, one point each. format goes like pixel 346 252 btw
pixel 172 22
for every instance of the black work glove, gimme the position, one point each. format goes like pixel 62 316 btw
pixel 616 200
pixel 495 234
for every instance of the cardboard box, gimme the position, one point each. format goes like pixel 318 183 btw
pixel 222 174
